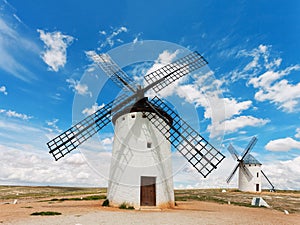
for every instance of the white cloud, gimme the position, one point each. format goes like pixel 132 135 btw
pixel 112 37
pixel 52 126
pixel 260 59
pixel 72 170
pixel 206 91
pixel 25 160
pixel 265 75
pixel 284 175
pixel 163 59
pixel 283 145
pixel 93 109
pixel 234 124
pixel 108 141
pixel 77 87
pixel 3 90
pixel 56 43
pixel 135 40
pixel 277 93
pixel 297 135
pixel 14 114
pixel 267 78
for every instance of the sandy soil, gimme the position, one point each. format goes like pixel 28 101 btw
pixel 91 212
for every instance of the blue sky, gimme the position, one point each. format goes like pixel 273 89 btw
pixel 251 46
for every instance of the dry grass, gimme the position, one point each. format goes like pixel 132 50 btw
pixel 280 200
pixel 23 192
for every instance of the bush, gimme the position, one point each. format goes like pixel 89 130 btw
pixel 47 213
pixel 124 205
pixel 105 203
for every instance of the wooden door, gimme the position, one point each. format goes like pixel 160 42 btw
pixel 148 193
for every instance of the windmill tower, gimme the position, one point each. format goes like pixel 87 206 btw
pixel 250 172
pixel 145 129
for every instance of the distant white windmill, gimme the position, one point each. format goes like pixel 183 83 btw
pixel 250 173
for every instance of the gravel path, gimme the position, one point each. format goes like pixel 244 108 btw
pixel 187 213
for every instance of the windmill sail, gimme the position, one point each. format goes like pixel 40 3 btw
pixel 249 147
pixel 115 73
pixel 76 135
pixel 240 160
pixel 166 75
pixel 198 151
pixel 232 173
pixel 233 152
pixel 86 128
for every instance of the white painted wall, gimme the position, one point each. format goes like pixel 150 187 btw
pixel 250 185
pixel 131 159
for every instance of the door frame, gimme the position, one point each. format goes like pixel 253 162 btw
pixel 148 183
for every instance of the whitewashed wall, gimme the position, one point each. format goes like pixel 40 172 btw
pixel 131 159
pixel 250 185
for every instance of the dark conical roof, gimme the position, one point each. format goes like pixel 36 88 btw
pixel 143 106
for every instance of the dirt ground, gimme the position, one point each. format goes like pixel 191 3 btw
pixel 88 212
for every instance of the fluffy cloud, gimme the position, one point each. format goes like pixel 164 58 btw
pixel 107 141
pixel 3 90
pixel 284 175
pixel 56 43
pixel 77 87
pixel 206 91
pixel 260 59
pixel 265 75
pixel 283 145
pixel 234 124
pixel 15 114
pixel 93 109
pixel 163 59
pixel 271 88
pixel 73 171
pixel 24 160
pixel 185 176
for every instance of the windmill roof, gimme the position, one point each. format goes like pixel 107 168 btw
pixel 141 106
pixel 250 159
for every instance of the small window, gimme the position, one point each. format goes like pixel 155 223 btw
pixel 132 116
pixel 123 118
pixel 149 144
pixel 144 115
pixel 257 174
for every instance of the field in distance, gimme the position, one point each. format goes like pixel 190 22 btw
pixel 279 200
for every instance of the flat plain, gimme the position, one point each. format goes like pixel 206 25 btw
pixel 194 206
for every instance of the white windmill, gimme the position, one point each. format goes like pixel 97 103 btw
pixel 141 167
pixel 250 172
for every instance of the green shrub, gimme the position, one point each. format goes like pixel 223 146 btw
pixel 105 203
pixel 47 213
pixel 124 205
